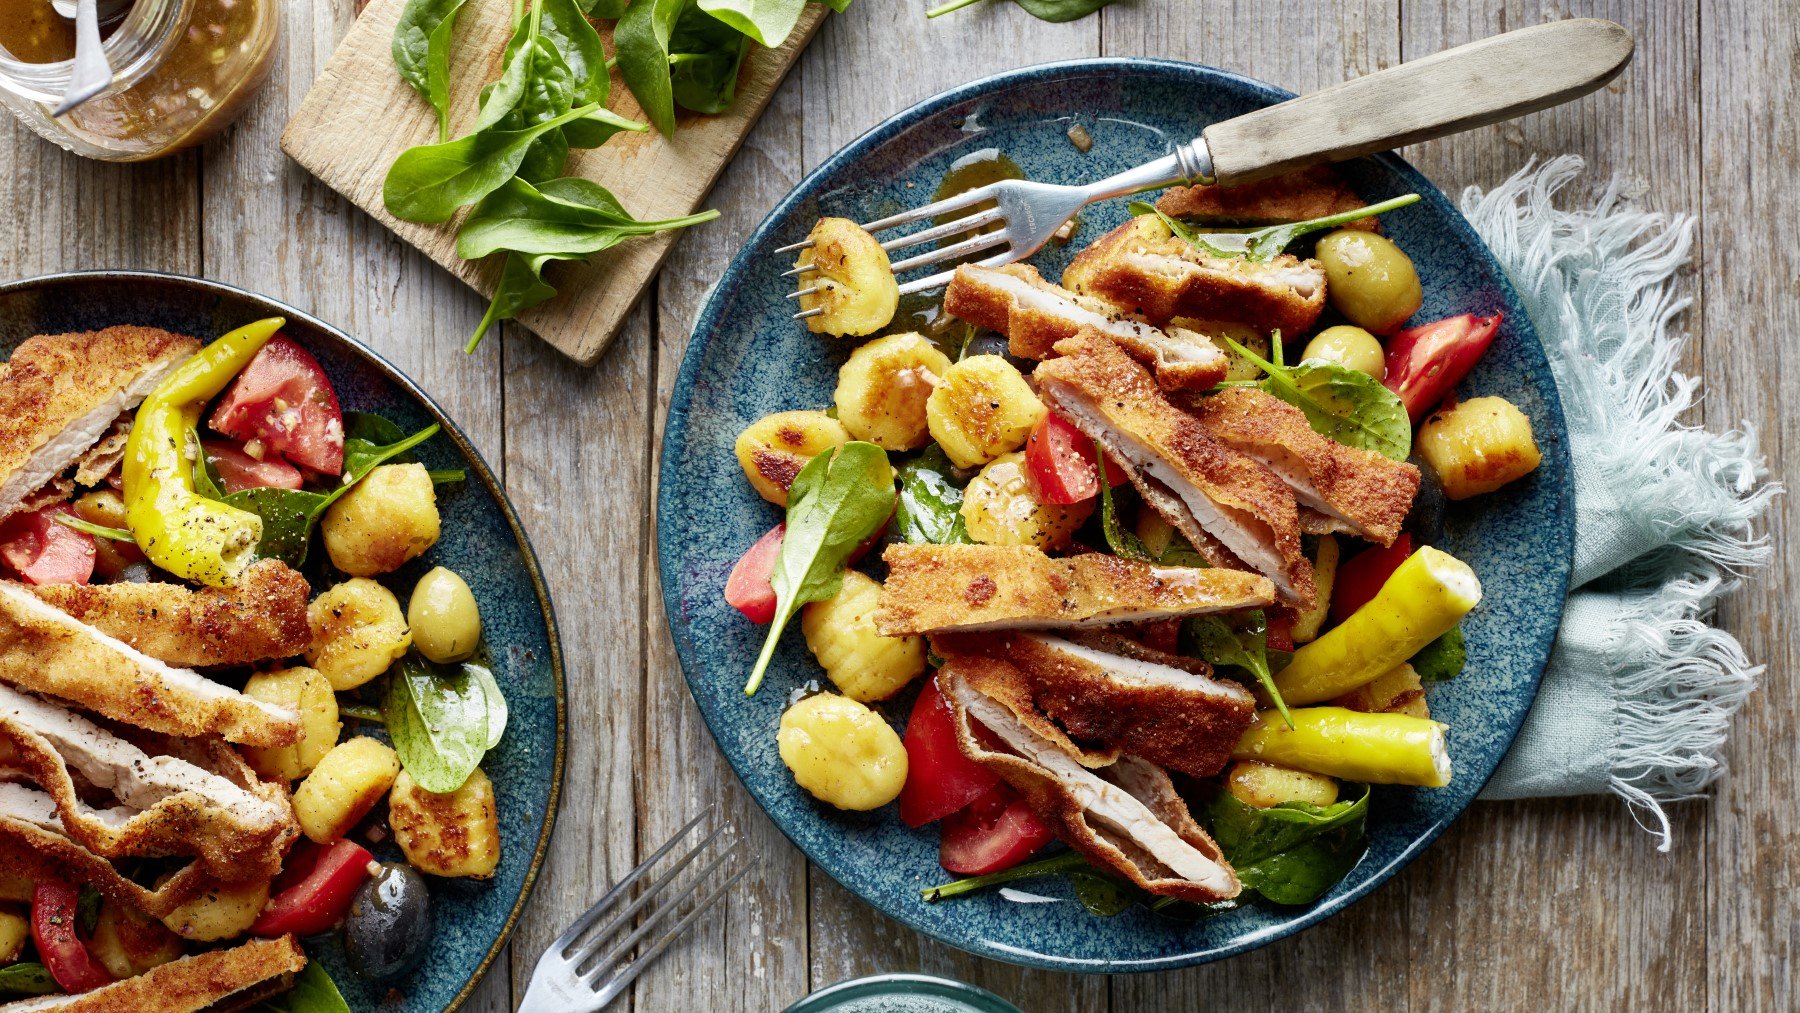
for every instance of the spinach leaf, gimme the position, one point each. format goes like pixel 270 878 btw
pixel 836 502
pixel 839 6
pixel 97 530
pixel 1103 894
pixel 930 507
pixel 1291 853
pixel 641 40
pixel 571 34
pixel 497 711
pixel 568 217
pixel 704 55
pixel 313 992
pixel 521 286
pixel 27 978
pixel 438 720
pixel 1242 645
pixel 769 22
pixel 535 85
pixel 1346 404
pixel 421 50
pixel 1125 544
pixel 608 9
pixel 1068 861
pixel 1043 10
pixel 1265 244
pixel 1180 228
pixel 1443 658
pixel 430 182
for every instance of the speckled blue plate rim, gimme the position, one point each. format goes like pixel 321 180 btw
pixel 486 475
pixel 705 328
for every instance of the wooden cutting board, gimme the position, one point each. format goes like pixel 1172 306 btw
pixel 360 115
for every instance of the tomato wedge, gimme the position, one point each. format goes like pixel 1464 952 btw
pixel 749 588
pixel 1425 362
pixel 43 551
pixel 284 400
pixel 939 779
pixel 315 889
pixel 239 471
pixel 1060 459
pixel 65 956
pixel 1361 576
pixel 997 831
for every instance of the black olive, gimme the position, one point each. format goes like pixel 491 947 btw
pixel 1425 521
pixel 388 929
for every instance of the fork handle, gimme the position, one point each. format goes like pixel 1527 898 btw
pixel 1458 89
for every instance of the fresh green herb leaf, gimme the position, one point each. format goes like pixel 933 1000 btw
pixel 1043 10
pixel 1244 644
pixel 705 52
pixel 438 720
pixel 769 22
pixel 371 440
pixel 1346 404
pixel 27 978
pixel 1125 544
pixel 1265 244
pixel 641 40
pixel 566 217
pixel 1291 853
pixel 313 992
pixel 97 530
pixel 930 508
pixel 836 502
pixel 1068 861
pixel 430 182
pixel 1443 658
pixel 421 50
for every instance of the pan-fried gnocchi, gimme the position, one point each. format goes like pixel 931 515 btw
pixel 344 787
pixel 309 693
pixel 774 448
pixel 856 290
pixel 862 663
pixel 982 409
pixel 456 834
pixel 1478 446
pixel 882 390
pixel 386 519
pixel 1001 506
pixel 842 752
pixel 357 632
pixel 128 941
pixel 223 911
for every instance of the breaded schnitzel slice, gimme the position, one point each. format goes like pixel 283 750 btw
pixel 942 588
pixel 1146 270
pixel 45 650
pixel 1348 488
pixel 1124 816
pixel 1035 314
pixel 1110 690
pixel 1232 508
pixel 236 977
pixel 59 393
pixel 260 617
pixel 1290 197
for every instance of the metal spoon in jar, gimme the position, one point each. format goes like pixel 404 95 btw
pixel 92 74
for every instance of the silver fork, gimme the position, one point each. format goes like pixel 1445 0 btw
pixel 1458 89
pixel 569 977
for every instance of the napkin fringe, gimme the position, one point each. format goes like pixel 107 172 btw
pixel 1601 278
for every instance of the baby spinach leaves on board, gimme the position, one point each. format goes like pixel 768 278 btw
pixel 1242 642
pixel 1346 404
pixel 836 502
pixel 930 506
pixel 1043 10
pixel 704 56
pixel 769 22
pixel 1265 244
pixel 1293 852
pixel 422 53
pixel 441 720
pixel 641 40
pixel 1443 658
pixel 430 182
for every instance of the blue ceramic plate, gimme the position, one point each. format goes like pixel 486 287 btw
pixel 481 540
pixel 747 359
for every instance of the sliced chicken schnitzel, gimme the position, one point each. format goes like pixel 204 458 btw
pixel 1278 200
pixel 236 977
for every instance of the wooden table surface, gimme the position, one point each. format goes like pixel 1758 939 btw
pixel 1556 903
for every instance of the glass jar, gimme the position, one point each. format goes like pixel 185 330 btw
pixel 182 70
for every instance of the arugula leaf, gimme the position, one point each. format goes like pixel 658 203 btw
pixel 1293 852
pixel 930 507
pixel 641 40
pixel 430 182
pixel 1245 646
pixel 1346 404
pixel 1265 244
pixel 97 530
pixel 1443 658
pixel 27 978
pixel 769 22
pixel 566 217
pixel 439 722
pixel 1043 10
pixel 836 502
pixel 704 55
pixel 313 992
pixel 1125 544
pixel 1068 861
pixel 421 51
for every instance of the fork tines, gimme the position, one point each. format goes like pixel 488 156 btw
pixel 574 974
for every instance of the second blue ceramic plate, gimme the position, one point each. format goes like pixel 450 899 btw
pixel 748 359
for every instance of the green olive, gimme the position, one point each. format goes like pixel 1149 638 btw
pixel 1348 346
pixel 1369 280
pixel 445 623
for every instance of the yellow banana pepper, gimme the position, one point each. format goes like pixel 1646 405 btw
pixel 1373 748
pixel 1423 598
pixel 180 530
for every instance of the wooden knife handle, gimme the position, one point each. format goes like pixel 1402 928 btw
pixel 1458 89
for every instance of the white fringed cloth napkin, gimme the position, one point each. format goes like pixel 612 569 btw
pixel 1641 687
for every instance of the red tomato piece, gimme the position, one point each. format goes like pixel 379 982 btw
pixel 65 956
pixel 239 471
pixel 315 889
pixel 1424 363
pixel 749 589
pixel 1280 629
pixel 283 399
pixel 997 831
pixel 1060 460
pixel 1362 575
pixel 939 779
pixel 44 551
